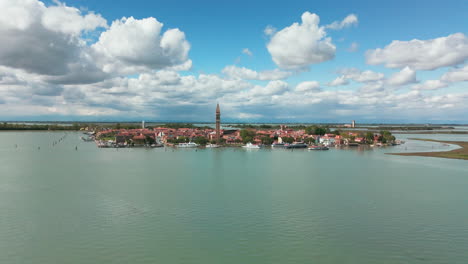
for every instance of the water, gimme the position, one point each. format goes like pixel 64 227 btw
pixel 61 205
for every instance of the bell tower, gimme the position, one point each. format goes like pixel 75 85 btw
pixel 218 124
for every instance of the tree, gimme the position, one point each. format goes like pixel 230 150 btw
pixel 267 140
pixel 369 137
pixel 320 131
pixel 309 140
pixel 287 139
pixel 150 140
pixel 200 140
pixel 310 130
pixel 247 135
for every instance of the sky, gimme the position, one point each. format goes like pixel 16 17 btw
pixel 262 61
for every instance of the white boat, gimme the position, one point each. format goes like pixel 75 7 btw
pixel 212 146
pixel 251 146
pixel 278 145
pixel 316 147
pixel 187 145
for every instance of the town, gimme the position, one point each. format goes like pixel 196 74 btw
pixel 286 136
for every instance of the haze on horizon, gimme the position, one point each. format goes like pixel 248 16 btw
pixel 293 61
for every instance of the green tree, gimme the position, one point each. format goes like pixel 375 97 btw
pixel 267 140
pixel 200 140
pixel 247 135
pixel 320 131
pixel 309 140
pixel 288 140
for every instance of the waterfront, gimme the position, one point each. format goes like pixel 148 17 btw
pixel 228 205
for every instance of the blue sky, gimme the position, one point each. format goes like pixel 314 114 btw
pixel 373 61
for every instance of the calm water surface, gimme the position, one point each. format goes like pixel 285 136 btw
pixel 61 205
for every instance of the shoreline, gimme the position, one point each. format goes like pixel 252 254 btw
pixel 460 153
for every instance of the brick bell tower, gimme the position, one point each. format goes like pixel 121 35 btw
pixel 218 124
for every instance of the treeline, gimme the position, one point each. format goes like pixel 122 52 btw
pixel 183 125
pixel 198 140
pixel 10 126
pixel 410 127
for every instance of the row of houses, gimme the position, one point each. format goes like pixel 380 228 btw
pixel 233 136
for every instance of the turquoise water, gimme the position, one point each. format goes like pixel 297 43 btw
pixel 61 205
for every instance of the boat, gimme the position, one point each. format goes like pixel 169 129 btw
pixel 212 146
pixel 296 145
pixel 316 147
pixel 188 145
pixel 87 139
pixel 157 145
pixel 251 146
pixel 278 145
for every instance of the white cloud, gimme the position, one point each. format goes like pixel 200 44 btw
pixel 357 76
pixel 48 68
pixel 340 80
pixel 246 51
pixel 301 45
pixel 32 41
pixel 456 75
pixel 248 74
pixel 134 45
pixel 346 22
pixel 269 30
pixel 249 116
pixel 430 85
pixel 69 20
pixel 354 47
pixel 273 87
pixel 308 86
pixel 422 54
pixel 366 76
pixel 403 77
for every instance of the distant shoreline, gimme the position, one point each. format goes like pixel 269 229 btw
pixel 460 153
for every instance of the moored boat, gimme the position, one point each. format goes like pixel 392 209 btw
pixel 251 146
pixel 278 145
pixel 296 145
pixel 316 147
pixel 212 146
pixel 188 145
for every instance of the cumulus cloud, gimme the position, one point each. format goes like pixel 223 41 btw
pixel 348 21
pixel 430 85
pixel 248 116
pixel 273 87
pixel 48 68
pixel 69 20
pixel 357 76
pixel 33 40
pixel 422 54
pixel 301 44
pixel 48 42
pixel 269 30
pixel 403 77
pixel 340 80
pixel 246 51
pixel 456 75
pixel 308 86
pixel 353 47
pixel 248 74
pixel 134 45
